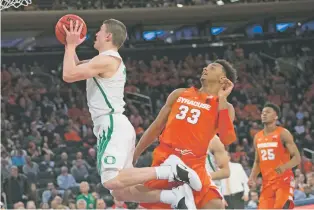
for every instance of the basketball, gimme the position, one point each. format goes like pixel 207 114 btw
pixel 65 20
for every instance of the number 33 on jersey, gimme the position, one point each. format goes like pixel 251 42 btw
pixel 192 121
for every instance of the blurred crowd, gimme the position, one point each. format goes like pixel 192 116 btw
pixel 118 4
pixel 48 151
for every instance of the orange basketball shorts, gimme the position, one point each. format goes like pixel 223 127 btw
pixel 277 194
pixel 208 192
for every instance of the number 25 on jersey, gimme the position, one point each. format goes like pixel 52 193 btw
pixel 268 154
pixel 184 111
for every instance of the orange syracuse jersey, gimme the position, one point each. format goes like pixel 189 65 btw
pixel 192 122
pixel 272 154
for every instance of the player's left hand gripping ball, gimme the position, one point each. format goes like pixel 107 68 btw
pixel 73 34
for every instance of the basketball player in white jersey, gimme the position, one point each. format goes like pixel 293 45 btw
pixel 106 76
pixel 217 163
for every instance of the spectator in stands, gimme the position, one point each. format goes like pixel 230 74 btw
pixel 71 134
pixel 64 161
pixel 79 157
pixel 91 158
pixel 66 180
pixel 15 187
pixel 18 156
pixel 253 202
pixel 90 139
pixel 30 205
pixel 298 193
pixel 19 205
pixel 30 167
pixel 44 206
pixel 6 164
pixel 72 205
pixel 100 204
pixel 33 194
pixel 81 204
pixel 54 204
pixel 32 151
pixel 47 164
pixel 308 191
pixel 46 149
pixel 85 195
pixel 80 171
pixel 51 192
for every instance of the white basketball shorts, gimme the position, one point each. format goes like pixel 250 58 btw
pixel 115 145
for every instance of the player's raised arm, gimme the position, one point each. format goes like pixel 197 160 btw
pixel 222 159
pixel 72 72
pixel 288 142
pixel 256 170
pixel 96 66
pixel 157 126
pixel 226 130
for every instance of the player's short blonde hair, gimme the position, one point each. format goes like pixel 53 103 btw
pixel 118 30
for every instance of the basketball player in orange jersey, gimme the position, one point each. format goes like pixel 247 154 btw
pixel 190 118
pixel 274 146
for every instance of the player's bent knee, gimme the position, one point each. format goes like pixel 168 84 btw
pixel 124 194
pixel 118 195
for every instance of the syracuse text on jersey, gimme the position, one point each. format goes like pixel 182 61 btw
pixel 193 103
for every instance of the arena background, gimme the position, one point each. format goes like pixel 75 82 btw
pixel 45 125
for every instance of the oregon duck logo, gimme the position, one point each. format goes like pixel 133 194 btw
pixel 110 160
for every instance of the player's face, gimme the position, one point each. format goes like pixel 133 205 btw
pixel 213 73
pixel 102 36
pixel 268 115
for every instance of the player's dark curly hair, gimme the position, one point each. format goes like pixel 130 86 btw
pixel 231 73
pixel 274 107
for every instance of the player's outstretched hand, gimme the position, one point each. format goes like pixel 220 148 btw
pixel 226 88
pixel 73 34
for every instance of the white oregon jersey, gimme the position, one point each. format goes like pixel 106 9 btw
pixel 211 166
pixel 105 95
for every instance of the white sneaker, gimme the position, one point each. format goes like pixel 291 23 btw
pixel 181 172
pixel 184 197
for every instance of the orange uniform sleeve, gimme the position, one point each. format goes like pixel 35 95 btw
pixel 226 130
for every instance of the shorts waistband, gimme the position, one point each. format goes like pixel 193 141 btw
pixel 107 117
pixel 181 152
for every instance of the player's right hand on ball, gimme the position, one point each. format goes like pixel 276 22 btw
pixel 73 34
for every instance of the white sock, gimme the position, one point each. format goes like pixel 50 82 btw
pixel 167 196
pixel 163 172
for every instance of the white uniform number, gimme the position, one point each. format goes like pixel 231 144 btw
pixel 184 110
pixel 268 154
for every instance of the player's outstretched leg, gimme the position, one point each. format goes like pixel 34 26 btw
pixel 181 172
pixel 172 169
pixel 179 198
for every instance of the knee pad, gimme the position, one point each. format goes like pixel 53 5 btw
pixel 108 174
